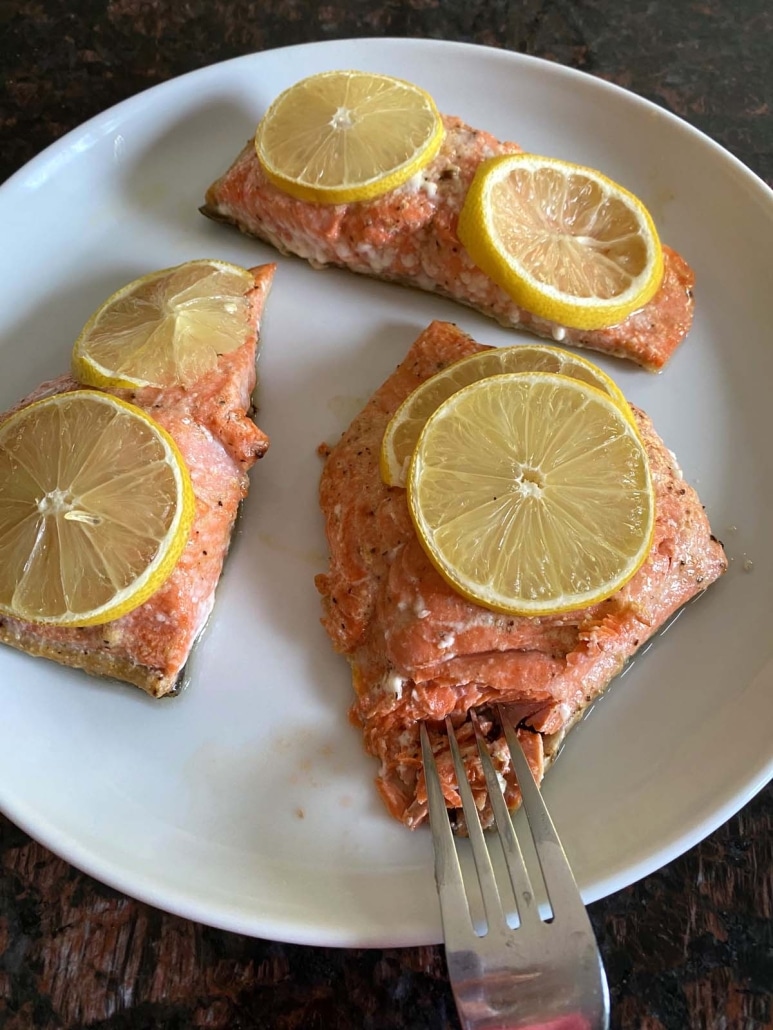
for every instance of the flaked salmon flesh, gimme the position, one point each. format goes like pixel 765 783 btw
pixel 409 235
pixel 211 426
pixel 419 651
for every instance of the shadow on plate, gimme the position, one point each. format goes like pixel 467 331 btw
pixel 166 182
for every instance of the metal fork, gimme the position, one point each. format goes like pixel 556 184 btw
pixel 543 975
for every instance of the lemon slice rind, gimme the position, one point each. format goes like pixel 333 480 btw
pixel 492 251
pixel 405 426
pixel 88 365
pixel 481 523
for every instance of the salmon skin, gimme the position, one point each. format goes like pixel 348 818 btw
pixel 409 235
pixel 210 424
pixel 420 651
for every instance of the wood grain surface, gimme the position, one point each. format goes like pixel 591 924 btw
pixel 688 947
pixel 691 946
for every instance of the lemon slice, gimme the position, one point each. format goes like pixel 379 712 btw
pixel 531 493
pixel 345 136
pixel 166 328
pixel 563 241
pixel 96 506
pixel 406 424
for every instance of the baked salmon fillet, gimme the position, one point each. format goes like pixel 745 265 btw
pixel 409 235
pixel 211 426
pixel 420 651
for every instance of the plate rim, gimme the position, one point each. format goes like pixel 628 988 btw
pixel 495 53
pixel 215 912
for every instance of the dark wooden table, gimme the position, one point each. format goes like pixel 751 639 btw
pixel 692 945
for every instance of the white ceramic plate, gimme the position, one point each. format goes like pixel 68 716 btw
pixel 247 802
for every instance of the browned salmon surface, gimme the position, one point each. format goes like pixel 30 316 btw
pixel 410 235
pixel 219 442
pixel 420 651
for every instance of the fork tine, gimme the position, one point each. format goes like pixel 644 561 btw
pixel 480 853
pixel 516 867
pixel 561 886
pixel 448 872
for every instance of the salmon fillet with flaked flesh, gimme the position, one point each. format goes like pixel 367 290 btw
pixel 419 651
pixel 409 235
pixel 211 426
